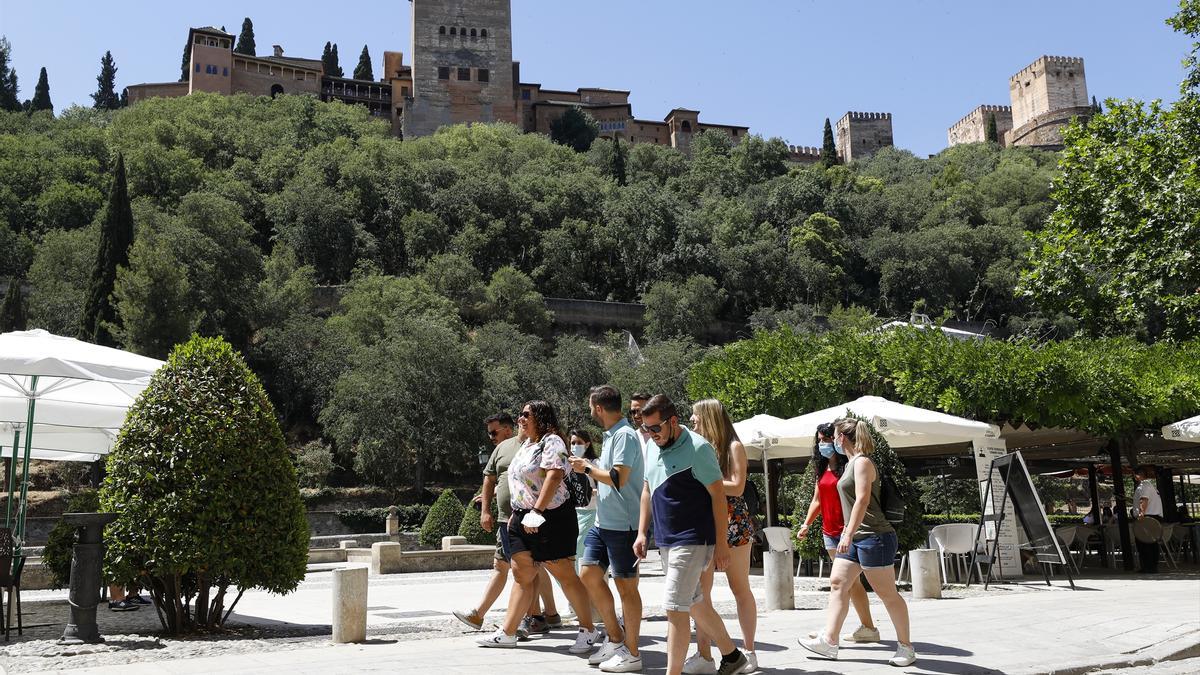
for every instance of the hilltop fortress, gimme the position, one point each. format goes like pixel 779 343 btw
pixel 463 71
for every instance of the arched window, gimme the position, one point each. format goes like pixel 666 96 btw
pixel 686 127
pixel 441 30
pixel 453 30
pixel 472 32
pixel 483 33
pixel 276 89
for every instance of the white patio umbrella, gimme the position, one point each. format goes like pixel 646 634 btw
pixel 64 398
pixel 1183 430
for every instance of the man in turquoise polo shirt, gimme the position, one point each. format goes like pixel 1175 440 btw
pixel 608 546
pixel 684 482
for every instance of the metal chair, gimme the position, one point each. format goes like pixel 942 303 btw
pixel 957 540
pixel 11 565
pixel 1164 541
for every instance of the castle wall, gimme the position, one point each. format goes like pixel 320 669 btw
pixel 1045 130
pixel 453 44
pixel 1049 83
pixel 140 92
pixel 250 76
pixel 859 135
pixel 973 127
pixel 210 68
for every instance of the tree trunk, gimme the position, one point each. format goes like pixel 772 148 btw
pixel 202 589
pixel 419 475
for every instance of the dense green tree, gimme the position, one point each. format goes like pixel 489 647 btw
pixel 575 129
pixel 618 162
pixel 59 278
pixel 185 68
pixel 829 156
pixel 116 236
pixel 152 300
pixel 13 312
pixel 511 296
pixel 106 97
pixel 206 491
pixel 363 70
pixel 992 134
pixel 41 94
pixel 8 79
pixel 329 61
pixel 245 40
pixel 688 309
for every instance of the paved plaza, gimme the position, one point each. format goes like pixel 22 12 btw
pixel 1111 623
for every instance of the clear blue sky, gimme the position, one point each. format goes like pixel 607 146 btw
pixel 780 67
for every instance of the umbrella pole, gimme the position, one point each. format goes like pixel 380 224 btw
pixel 20 535
pixel 767 486
pixel 12 478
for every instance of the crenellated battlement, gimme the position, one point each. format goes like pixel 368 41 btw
pixel 1044 61
pixel 856 116
pixel 968 119
pixel 804 151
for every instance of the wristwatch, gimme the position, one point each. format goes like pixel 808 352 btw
pixel 587 470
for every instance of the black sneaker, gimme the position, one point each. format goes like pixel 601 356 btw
pixel 537 625
pixel 122 606
pixel 729 666
pixel 137 599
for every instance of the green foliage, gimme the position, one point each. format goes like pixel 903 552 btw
pixel 364 521
pixel 9 100
pixel 1107 387
pixel 151 298
pixel 116 236
pixel 575 129
pixel 185 71
pixel 41 94
pixel 59 277
pixel 829 156
pixel 329 61
pixel 314 463
pixel 940 494
pixel 473 531
pixel 992 135
pixel 106 97
pixel 205 489
pixel 363 70
pixel 511 296
pixel 13 313
pixel 683 310
pixel 245 41
pixel 56 555
pixel 443 520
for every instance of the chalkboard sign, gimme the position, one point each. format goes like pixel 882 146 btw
pixel 1031 514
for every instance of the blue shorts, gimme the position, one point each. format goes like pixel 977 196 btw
pixel 830 542
pixel 503 548
pixel 605 548
pixel 873 551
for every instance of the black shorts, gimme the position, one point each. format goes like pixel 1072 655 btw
pixel 555 539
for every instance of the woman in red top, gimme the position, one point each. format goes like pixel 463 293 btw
pixel 828 462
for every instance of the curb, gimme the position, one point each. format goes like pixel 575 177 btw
pixel 1184 646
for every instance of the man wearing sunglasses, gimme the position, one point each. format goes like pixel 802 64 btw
pixel 683 483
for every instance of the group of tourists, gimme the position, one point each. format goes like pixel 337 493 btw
pixel 581 517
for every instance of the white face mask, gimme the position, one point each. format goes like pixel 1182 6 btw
pixel 578 450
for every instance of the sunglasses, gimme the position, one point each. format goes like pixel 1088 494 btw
pixel 654 428
pixel 524 414
pixel 492 434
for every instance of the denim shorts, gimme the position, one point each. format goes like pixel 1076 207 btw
pixel 502 549
pixel 684 565
pixel 611 550
pixel 873 551
pixel 830 542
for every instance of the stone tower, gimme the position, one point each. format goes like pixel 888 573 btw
pixel 1045 96
pixel 861 134
pixel 462 65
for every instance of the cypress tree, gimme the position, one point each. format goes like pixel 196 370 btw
pixel 363 70
pixel 828 147
pixel 245 41
pixel 185 72
pixel 8 79
pixel 335 69
pixel 116 236
pixel 993 136
pixel 618 165
pixel 124 102
pixel 12 314
pixel 327 59
pixel 106 97
pixel 1096 106
pixel 41 94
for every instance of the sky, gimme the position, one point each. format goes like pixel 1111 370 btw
pixel 779 67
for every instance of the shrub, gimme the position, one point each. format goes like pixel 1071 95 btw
pixel 412 516
pixel 364 521
pixel 56 555
pixel 205 489
pixel 472 530
pixel 442 521
pixel 314 463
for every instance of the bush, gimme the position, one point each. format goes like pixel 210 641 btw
pixel 442 521
pixel 205 489
pixel 412 516
pixel 364 521
pixel 911 533
pixel 472 530
pixel 314 463
pixel 56 556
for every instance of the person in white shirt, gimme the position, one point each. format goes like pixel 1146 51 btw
pixel 1147 504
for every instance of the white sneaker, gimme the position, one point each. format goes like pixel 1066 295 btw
pixel 905 656
pixel 498 639
pixel 622 662
pixel 585 641
pixel 601 655
pixel 698 665
pixel 821 647
pixel 863 634
pixel 751 661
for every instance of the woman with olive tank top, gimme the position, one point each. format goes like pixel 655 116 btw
pixel 867 544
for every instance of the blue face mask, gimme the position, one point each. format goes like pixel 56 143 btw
pixel 826 449
pixel 839 449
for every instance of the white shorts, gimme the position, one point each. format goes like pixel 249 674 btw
pixel 684 565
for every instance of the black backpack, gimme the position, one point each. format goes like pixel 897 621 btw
pixel 579 487
pixel 750 494
pixel 890 499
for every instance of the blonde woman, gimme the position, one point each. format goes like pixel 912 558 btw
pixel 710 420
pixel 867 544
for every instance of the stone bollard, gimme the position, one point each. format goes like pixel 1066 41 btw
pixel 350 605
pixel 452 541
pixel 777 573
pixel 924 568
pixel 86 558
pixel 385 557
pixel 392 523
